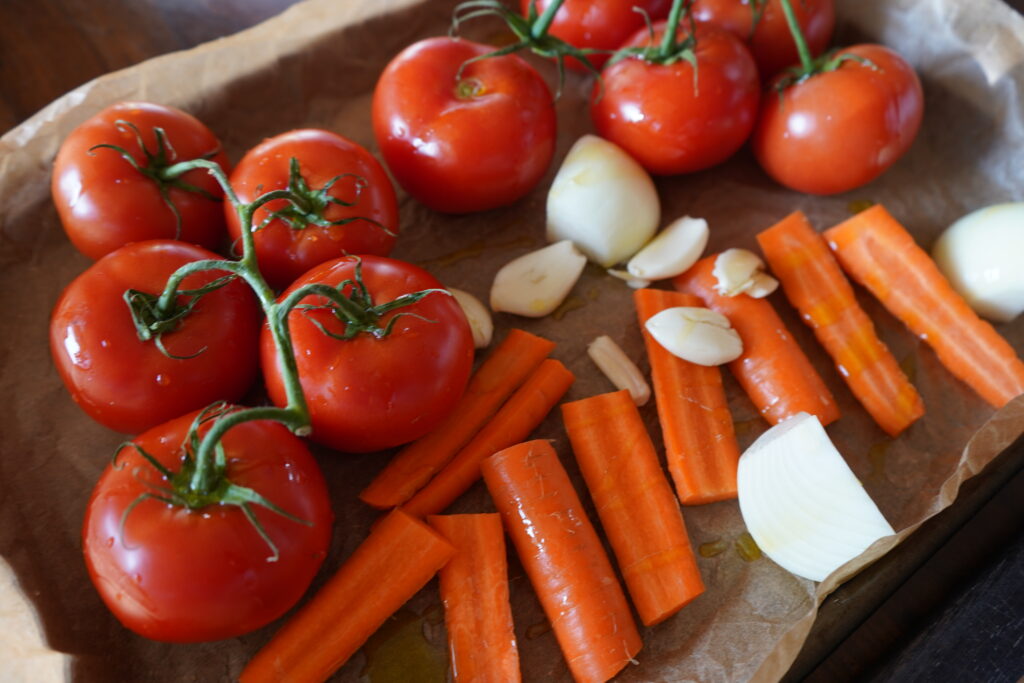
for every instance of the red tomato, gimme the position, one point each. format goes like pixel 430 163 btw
pixel 287 251
pixel 369 393
pixel 838 130
pixel 671 122
pixel 463 145
pixel 105 203
pixel 129 385
pixel 180 575
pixel 771 43
pixel 601 24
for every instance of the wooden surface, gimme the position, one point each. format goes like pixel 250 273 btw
pixel 945 605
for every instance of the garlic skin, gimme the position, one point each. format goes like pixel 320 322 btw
pixel 801 502
pixel 672 251
pixel 740 271
pixel 698 335
pixel 535 284
pixel 627 277
pixel 480 323
pixel 619 368
pixel 603 201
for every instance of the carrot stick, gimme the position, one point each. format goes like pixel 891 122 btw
pixel 816 287
pixel 474 589
pixel 700 442
pixel 635 503
pixel 395 561
pixel 512 424
pixel 773 369
pixel 881 255
pixel 498 376
pixel 564 559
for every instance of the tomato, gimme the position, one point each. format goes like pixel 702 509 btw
pixel 129 385
pixel 838 130
pixel 600 24
pixel 180 575
pixel 671 122
pixel 105 203
pixel 469 144
pixel 771 43
pixel 285 251
pixel 368 393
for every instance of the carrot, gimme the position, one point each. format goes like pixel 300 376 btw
pixel 773 369
pixel 564 559
pixel 816 287
pixel 394 562
pixel 474 589
pixel 498 376
pixel 513 423
pixel 635 503
pixel 881 255
pixel 700 442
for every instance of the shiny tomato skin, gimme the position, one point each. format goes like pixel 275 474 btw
pixel 178 575
pixel 771 43
pixel 104 203
pixel 600 24
pixel 284 253
pixel 840 130
pixel 367 394
pixel 128 385
pixel 669 125
pixel 459 154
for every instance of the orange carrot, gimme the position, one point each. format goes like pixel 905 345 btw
pixel 773 369
pixel 881 255
pixel 564 559
pixel 700 442
pixel 498 376
pixel 513 423
pixel 635 503
pixel 394 562
pixel 816 287
pixel 474 589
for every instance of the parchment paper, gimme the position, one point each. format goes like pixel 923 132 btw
pixel 316 65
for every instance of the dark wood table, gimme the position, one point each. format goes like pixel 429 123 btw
pixel 946 605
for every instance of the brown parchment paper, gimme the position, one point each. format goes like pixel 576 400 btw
pixel 316 65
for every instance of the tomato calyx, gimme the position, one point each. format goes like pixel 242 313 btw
pixel 809 66
pixel 670 49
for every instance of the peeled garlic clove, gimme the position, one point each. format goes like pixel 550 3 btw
pixel 672 251
pixel 761 285
pixel 479 317
pixel 698 335
pixel 802 503
pixel 626 277
pixel 535 284
pixel 618 368
pixel 603 201
pixel 735 270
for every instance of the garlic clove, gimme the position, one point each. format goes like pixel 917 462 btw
pixel 672 251
pixel 626 277
pixel 603 201
pixel 761 285
pixel 479 317
pixel 618 368
pixel 535 284
pixel 734 269
pixel 698 335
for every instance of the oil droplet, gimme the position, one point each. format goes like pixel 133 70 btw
pixel 593 293
pixel 570 304
pixel 538 629
pixel 747 548
pixel 876 456
pixel 434 614
pixel 399 652
pixel 855 206
pixel 163 380
pixel 712 548
pixel 909 367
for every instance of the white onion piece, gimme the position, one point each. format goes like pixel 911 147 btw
pixel 801 502
pixel 480 323
pixel 698 335
pixel 603 201
pixel 535 284
pixel 672 251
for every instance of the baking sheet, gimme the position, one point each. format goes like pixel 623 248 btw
pixel 316 65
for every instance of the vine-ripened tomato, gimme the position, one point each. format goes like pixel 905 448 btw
pixel 105 203
pixel 670 121
pixel 838 130
pixel 284 251
pixel 368 393
pixel 771 43
pixel 128 385
pixel 180 575
pixel 600 24
pixel 476 142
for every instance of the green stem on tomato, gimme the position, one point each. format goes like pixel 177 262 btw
pixel 668 40
pixel 543 23
pixel 806 59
